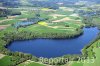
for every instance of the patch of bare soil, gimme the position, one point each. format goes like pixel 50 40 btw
pixel 12 17
pixel 64 19
pixel 23 19
pixel 1 56
pixel 57 15
pixel 3 27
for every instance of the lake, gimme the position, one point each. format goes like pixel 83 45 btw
pixel 51 48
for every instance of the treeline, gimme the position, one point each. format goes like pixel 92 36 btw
pixel 31 35
pixel 18 57
pixel 88 21
pixel 7 12
pixel 14 12
pixel 36 19
pixel 3 13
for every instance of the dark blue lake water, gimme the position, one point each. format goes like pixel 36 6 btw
pixel 55 47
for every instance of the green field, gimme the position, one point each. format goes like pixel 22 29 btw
pixel 8 60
